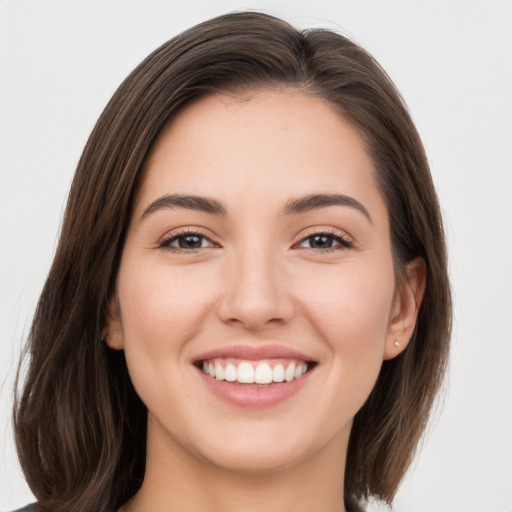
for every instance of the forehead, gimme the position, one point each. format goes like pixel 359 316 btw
pixel 261 147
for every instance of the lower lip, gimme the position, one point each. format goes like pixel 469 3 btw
pixel 252 395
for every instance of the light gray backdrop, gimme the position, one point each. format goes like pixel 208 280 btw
pixel 60 61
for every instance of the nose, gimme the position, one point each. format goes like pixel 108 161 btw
pixel 255 292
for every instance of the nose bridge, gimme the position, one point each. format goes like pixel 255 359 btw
pixel 255 293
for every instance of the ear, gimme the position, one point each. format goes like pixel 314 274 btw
pixel 406 304
pixel 112 333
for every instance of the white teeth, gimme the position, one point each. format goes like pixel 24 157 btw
pixel 230 373
pixel 289 373
pixel 278 373
pixel 219 371
pixel 263 374
pixel 246 373
pixel 300 370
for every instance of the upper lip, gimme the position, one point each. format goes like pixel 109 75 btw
pixel 253 353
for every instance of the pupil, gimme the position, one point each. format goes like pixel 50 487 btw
pixel 321 241
pixel 190 242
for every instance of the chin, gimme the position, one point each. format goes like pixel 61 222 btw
pixel 255 460
pixel 269 448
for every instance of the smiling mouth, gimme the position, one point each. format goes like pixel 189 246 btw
pixel 255 373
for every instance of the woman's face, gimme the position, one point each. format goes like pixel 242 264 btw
pixel 258 248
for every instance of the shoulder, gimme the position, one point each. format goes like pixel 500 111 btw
pixel 28 508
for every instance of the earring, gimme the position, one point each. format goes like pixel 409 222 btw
pixel 397 343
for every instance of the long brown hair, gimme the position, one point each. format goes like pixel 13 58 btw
pixel 80 427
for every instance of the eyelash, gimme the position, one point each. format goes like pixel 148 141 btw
pixel 336 237
pixel 166 242
pixel 343 242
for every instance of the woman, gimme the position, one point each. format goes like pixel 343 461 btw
pixel 249 306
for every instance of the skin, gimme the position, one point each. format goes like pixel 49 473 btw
pixel 257 279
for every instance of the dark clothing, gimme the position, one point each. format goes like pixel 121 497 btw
pixel 353 505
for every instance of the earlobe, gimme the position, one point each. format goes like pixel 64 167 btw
pixel 112 333
pixel 405 310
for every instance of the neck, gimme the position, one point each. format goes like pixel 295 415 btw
pixel 176 480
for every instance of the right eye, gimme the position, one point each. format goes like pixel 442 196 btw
pixel 188 241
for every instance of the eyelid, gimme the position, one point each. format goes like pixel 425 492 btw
pixel 165 241
pixel 345 241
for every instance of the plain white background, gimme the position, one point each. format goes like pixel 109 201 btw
pixel 60 61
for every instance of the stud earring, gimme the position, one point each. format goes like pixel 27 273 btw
pixel 397 343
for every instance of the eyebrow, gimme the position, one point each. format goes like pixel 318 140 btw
pixel 317 201
pixel 293 206
pixel 199 203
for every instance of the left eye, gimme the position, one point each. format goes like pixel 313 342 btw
pixel 325 241
pixel 186 241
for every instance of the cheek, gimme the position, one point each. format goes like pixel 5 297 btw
pixel 160 304
pixel 351 305
pixel 351 310
pixel 162 308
